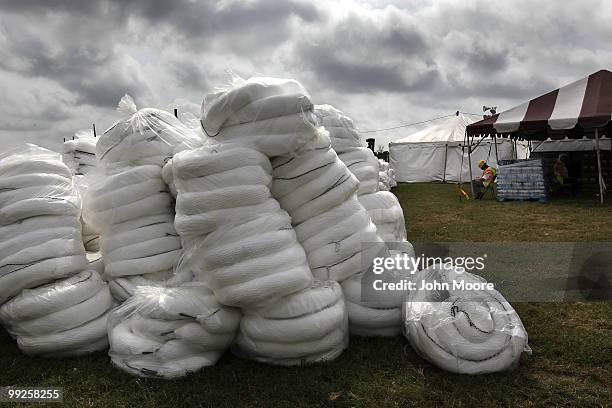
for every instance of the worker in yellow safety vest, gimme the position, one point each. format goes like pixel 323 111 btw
pixel 488 177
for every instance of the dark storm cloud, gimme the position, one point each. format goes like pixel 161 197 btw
pixel 44 6
pixel 358 76
pixel 196 20
pixel 67 63
pixel 189 74
pixel 388 54
pixel 89 71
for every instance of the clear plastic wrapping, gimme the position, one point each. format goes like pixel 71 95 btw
pixel 166 332
pixel 34 181
pixel 318 191
pixel 307 327
pixel 40 232
pixel 64 318
pixel 91 235
pixel 462 329
pixel 237 239
pixel 377 312
pixel 387 214
pixel 79 154
pixel 145 136
pixel 364 165
pixel 134 211
pixel 386 176
pixel 341 129
pixel 271 115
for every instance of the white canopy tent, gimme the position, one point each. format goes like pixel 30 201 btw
pixel 439 153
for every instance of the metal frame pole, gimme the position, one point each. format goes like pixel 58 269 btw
pixel 600 176
pixel 445 159
pixel 496 155
pixel 470 163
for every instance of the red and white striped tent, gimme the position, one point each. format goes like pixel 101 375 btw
pixel 581 108
pixel 585 104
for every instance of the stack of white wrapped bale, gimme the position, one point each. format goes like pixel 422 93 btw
pixel 387 214
pixel 40 232
pixel 247 246
pixel 168 177
pixel 309 181
pixel 134 211
pixel 80 157
pixel 362 162
pixel 342 132
pixel 386 176
pixel 384 182
pixel 346 142
pixel 461 330
pixel 374 313
pixel 276 117
pixel 80 153
pixel 40 244
pixel 169 332
pixel 379 315
pixel 235 232
pixel 273 116
pixel 303 328
pixel 91 235
pixel 240 242
pixel 64 318
pixel 129 201
pixel 384 208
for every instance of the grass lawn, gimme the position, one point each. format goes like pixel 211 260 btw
pixel 571 342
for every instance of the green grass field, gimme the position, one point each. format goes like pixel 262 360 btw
pixel 571 342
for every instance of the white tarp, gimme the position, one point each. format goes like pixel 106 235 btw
pixel 425 162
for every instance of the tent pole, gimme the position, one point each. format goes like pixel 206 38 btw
pixel 600 177
pixel 470 163
pixel 495 141
pixel 445 158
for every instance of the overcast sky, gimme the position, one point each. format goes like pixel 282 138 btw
pixel 66 64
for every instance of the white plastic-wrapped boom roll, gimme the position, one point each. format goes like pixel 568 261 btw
pixel 80 154
pixel 239 240
pixel 220 186
pixel 51 298
pixel 168 177
pixel 169 332
pixel 254 262
pixel 65 318
pixel 306 327
pixel 387 214
pixel 386 176
pixel 374 310
pixel 74 341
pixel 273 116
pixel 145 136
pixel 341 129
pixel 364 165
pixel 35 182
pixel 461 330
pixel 318 191
pixel 40 232
pixel 134 210
pixel 91 234
pixel 127 194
